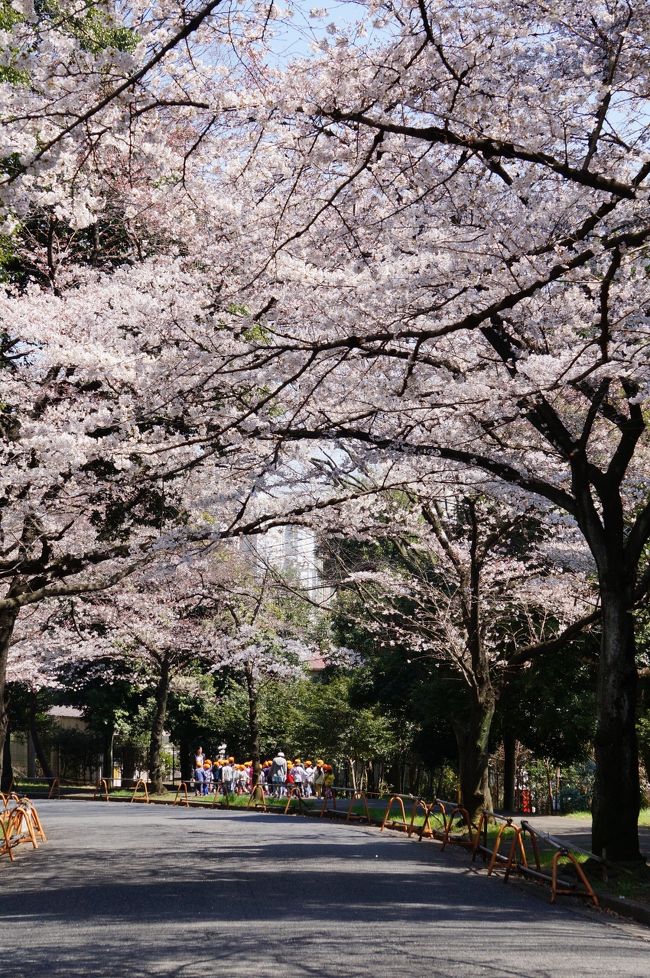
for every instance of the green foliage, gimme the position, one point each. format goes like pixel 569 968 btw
pixel 7 256
pixel 10 165
pixel 8 15
pixel 78 752
pixel 307 718
pixel 334 726
pixel 194 715
pixel 13 76
pixel 550 707
pixel 94 27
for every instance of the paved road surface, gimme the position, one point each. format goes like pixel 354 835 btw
pixel 578 830
pixel 130 890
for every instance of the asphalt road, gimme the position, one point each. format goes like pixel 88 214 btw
pixel 578 830
pixel 133 890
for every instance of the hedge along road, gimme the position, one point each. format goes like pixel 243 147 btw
pixel 134 890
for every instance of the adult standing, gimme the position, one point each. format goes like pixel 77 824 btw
pixel 278 774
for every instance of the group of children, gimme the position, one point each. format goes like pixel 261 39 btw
pixel 225 776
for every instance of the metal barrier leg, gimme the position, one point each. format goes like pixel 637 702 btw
pixel 402 822
pixel 145 798
pixel 182 788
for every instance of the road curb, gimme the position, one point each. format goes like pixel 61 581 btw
pixel 640 912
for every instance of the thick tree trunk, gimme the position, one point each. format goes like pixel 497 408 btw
pixel 43 759
pixel 6 780
pixel 108 751
pixel 617 792
pixel 509 771
pixel 157 728
pixel 7 622
pixel 253 722
pixel 472 738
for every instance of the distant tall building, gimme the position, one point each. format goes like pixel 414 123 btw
pixel 292 550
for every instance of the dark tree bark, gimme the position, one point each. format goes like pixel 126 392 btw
pixel 43 759
pixel 617 790
pixel 7 622
pixel 158 726
pixel 6 780
pixel 108 751
pixel 253 722
pixel 509 771
pixel 472 737
pixel 617 551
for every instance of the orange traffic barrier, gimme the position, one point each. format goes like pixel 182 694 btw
pixel 145 795
pixel 353 816
pixel 17 827
pixel 395 823
pixel 30 810
pixel 329 797
pixel 480 841
pixel 101 788
pixel 295 794
pixel 427 829
pixel 182 788
pixel 452 812
pixel 558 887
pixel 516 853
pixel 257 798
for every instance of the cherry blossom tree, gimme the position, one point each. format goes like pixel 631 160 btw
pixel 466 583
pixel 459 268
pixel 429 244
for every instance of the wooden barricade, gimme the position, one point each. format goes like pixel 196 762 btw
pixel 257 799
pixel 145 796
pixel 101 788
pixel 295 794
pixel 55 789
pixel 30 810
pixel 221 801
pixel 17 828
pixel 325 807
pixel 353 816
pixel 182 789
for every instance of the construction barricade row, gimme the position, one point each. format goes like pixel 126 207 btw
pixel 19 824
